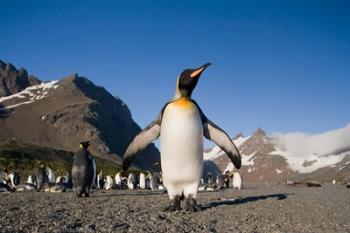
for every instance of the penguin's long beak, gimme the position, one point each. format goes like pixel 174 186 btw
pixel 197 72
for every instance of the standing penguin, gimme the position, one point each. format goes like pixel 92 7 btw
pixel 31 180
pixel 100 180
pixel 237 181
pixel 14 179
pixel 155 181
pixel 118 180
pixel 2 177
pixel 51 175
pixel 131 181
pixel 148 180
pixel 83 170
pixel 181 125
pixel 142 180
pixel 109 182
pixel 220 181
pixel 211 178
pixel 41 178
pixel 227 179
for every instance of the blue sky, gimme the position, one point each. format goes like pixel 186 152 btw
pixel 280 65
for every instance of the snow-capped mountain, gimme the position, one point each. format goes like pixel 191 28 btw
pixel 290 156
pixel 60 114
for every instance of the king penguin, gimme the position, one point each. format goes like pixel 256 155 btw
pixel 41 178
pixel 237 181
pixel 83 170
pixel 181 126
pixel 142 180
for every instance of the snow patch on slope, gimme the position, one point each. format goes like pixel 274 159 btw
pixel 34 93
pixel 217 152
pixel 309 152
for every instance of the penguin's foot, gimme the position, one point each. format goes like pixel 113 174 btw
pixel 191 205
pixel 82 194
pixel 175 204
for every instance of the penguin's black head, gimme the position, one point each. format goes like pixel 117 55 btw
pixel 85 144
pixel 188 80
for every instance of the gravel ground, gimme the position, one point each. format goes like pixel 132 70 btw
pixel 257 208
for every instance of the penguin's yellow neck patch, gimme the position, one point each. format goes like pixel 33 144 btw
pixel 183 102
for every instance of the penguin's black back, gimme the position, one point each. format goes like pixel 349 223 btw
pixel 82 171
pixel 16 178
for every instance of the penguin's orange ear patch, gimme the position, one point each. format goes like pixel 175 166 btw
pixel 197 72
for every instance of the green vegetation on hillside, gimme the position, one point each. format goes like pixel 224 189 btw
pixel 26 159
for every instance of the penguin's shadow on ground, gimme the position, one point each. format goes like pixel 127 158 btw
pixel 239 201
pixel 106 194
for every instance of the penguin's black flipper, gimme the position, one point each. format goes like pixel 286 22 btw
pixel 143 139
pixel 219 137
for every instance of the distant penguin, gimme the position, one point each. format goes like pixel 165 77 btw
pixel 148 180
pixel 57 188
pixel 14 179
pixel 227 179
pixel 334 182
pixel 83 170
pixel 118 181
pixel 181 126
pixel 5 188
pixel 3 176
pixel 51 176
pixel 211 179
pixel 109 182
pixel 161 187
pixel 155 182
pixel 41 179
pixel 30 185
pixel 142 180
pixel 202 185
pixel 289 182
pixel 124 182
pixel 31 180
pixel 100 180
pixel 67 177
pixel 63 184
pixel 68 181
pixel 237 181
pixel 131 181
pixel 58 179
pixel 220 181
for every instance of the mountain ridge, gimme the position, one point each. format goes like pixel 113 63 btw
pixel 60 114
pixel 264 159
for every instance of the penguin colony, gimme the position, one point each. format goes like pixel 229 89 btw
pixel 82 179
pixel 142 181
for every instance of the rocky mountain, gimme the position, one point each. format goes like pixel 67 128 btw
pixel 296 156
pixel 60 114
pixel 13 80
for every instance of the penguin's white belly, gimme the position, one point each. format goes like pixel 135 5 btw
pixel 142 181
pixel 237 180
pixel 181 145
